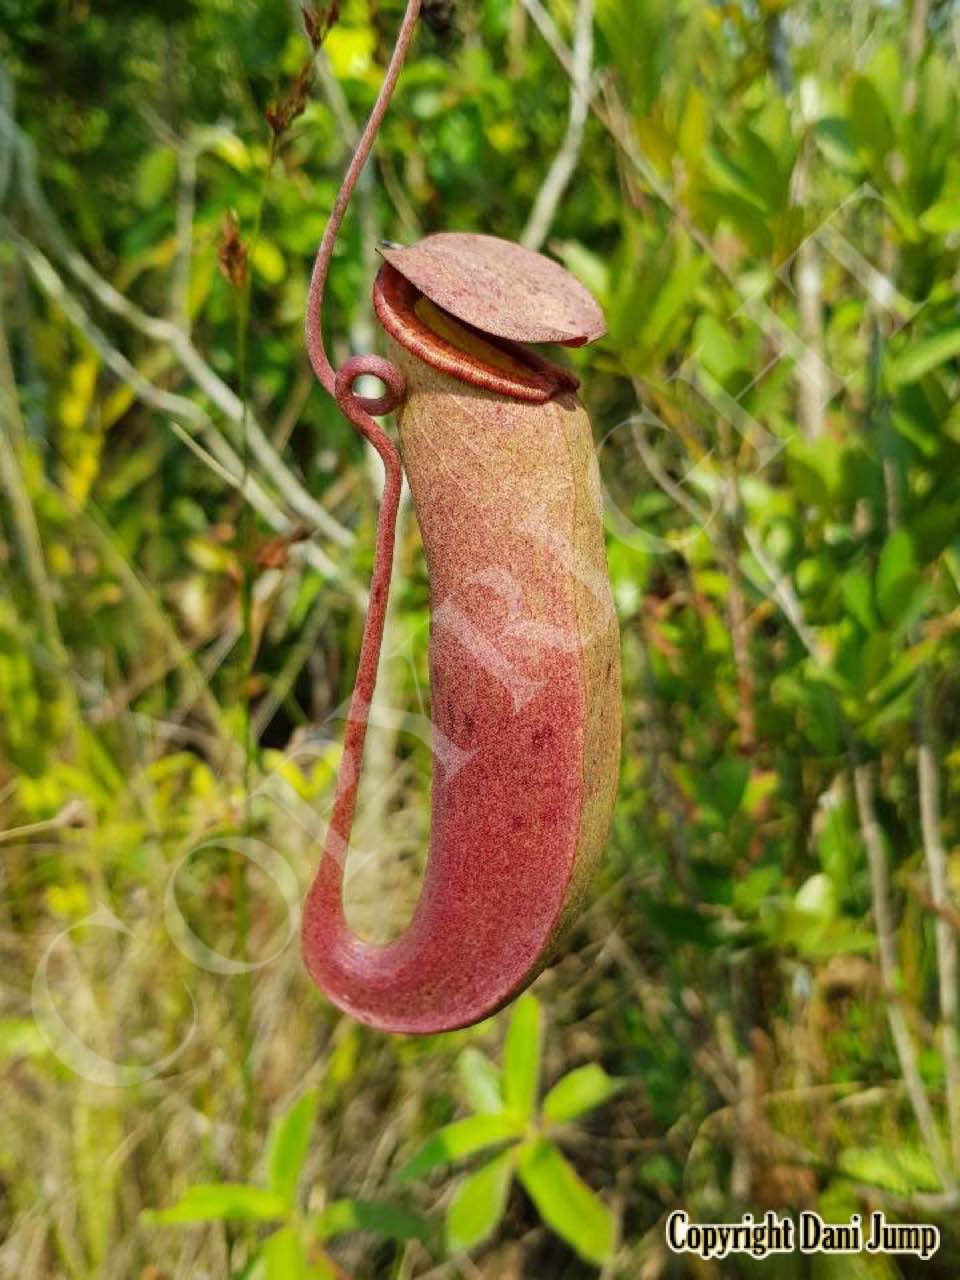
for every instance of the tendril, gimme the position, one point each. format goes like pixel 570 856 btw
pixel 359 410
pixel 362 406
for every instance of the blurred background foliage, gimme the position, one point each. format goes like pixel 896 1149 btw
pixel 758 1008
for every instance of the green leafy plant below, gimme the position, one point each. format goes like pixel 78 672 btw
pixel 507 1116
pixel 295 1249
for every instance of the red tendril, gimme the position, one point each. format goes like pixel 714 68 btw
pixel 358 409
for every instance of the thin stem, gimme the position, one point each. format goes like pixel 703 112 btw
pixel 887 950
pixel 238 868
pixel 916 39
pixel 173 405
pixel 69 816
pixel 186 208
pixel 359 410
pixel 565 161
pixel 808 282
pixel 225 400
pixel 12 483
pixel 548 29
pixel 928 783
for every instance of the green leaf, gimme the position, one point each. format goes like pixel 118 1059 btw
pixel 857 592
pixel 694 125
pixel 268 261
pixel 750 893
pixel 942 217
pixel 521 1056
pixel 480 1080
pixel 835 139
pixel 463 1138
pixel 872 130
pixel 284 1257
pixel 589 268
pixel 680 286
pixel 811 915
pixel 156 173
pixel 766 169
pixel 817 897
pixel 680 924
pixel 350 50
pixel 231 149
pixel 343 1216
pixel 744 218
pixel 838 846
pixel 579 1091
pixel 288 1146
pixel 727 783
pixel 566 1203
pixel 902 1169
pixel 222 1202
pixel 818 714
pixel 897 578
pixel 478 1204
pixel 21 1038
pixel 716 349
pixel 816 471
pixel 920 357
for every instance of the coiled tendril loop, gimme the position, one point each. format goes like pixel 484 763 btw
pixel 374 406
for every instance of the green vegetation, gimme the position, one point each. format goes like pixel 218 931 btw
pixel 292 1250
pixel 505 1111
pixel 762 988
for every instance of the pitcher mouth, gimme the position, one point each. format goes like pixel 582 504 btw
pixel 462 350
pixel 499 287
